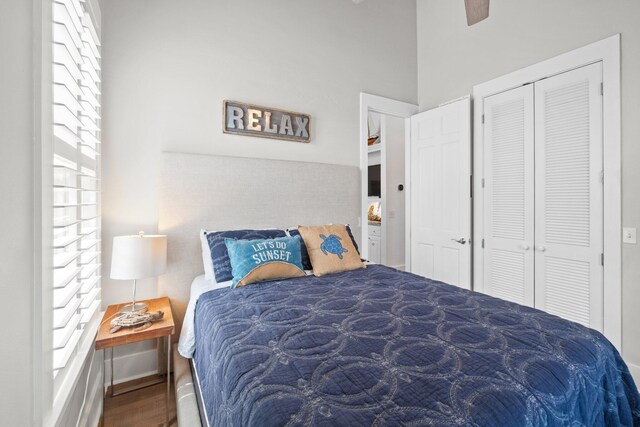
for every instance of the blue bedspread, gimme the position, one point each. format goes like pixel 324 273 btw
pixel 382 347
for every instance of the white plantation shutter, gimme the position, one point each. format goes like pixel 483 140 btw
pixel 76 180
pixel 509 195
pixel 569 196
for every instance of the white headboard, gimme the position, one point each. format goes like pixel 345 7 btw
pixel 226 193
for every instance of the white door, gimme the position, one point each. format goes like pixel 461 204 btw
pixel 509 195
pixel 569 196
pixel 440 199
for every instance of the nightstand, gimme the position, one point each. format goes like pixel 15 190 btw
pixel 160 329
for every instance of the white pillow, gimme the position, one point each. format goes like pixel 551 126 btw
pixel 206 256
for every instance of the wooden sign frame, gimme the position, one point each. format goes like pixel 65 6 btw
pixel 244 119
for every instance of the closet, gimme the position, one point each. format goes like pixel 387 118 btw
pixel 542 183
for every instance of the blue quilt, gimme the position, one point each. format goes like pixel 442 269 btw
pixel 382 347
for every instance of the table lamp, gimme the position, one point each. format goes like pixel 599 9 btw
pixel 138 257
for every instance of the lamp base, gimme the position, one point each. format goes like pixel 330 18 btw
pixel 139 307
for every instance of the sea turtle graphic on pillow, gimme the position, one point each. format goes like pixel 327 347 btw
pixel 332 245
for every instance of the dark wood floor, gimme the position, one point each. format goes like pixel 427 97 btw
pixel 144 407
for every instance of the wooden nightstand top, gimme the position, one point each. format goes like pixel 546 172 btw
pixel 162 328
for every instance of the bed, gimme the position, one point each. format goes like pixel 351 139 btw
pixel 368 347
pixel 383 347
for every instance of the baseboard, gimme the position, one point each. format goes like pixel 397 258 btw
pixel 398 267
pixel 131 366
pixel 93 408
pixel 635 373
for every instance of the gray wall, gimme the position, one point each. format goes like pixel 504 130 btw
pixel 16 214
pixel 452 58
pixel 168 65
pixel 395 199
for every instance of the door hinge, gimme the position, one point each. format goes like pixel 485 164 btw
pixel 482 243
pixel 602 259
pixel 482 182
pixel 483 119
pixel 602 89
pixel 602 177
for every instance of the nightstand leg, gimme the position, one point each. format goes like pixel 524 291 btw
pixel 111 371
pixel 168 376
pixel 104 355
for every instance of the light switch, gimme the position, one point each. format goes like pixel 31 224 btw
pixel 629 235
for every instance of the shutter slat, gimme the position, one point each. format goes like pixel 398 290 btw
pixel 89 138
pixel 61 316
pixel 89 83
pixel 64 259
pixel 62 356
pixel 89 298
pixel 89 270
pixel 62 296
pixel 65 241
pixel 89 97
pixel 87 53
pixel 63 12
pixel 91 34
pixel 63 34
pixel 89 284
pixel 61 336
pixel 63 77
pixel 89 126
pixel 89 72
pixel 89 111
pixel 63 278
pixel 62 95
pixel 78 8
pixel 62 56
pixel 88 313
pixel 87 244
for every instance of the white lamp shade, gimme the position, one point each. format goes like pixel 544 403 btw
pixel 138 257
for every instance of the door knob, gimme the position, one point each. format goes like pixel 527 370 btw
pixel 542 248
pixel 525 247
pixel 462 240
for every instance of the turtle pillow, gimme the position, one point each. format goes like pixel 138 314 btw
pixel 306 261
pixel 330 249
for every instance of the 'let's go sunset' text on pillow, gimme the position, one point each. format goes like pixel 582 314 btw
pixel 254 261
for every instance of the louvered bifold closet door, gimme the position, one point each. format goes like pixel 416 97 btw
pixel 509 195
pixel 76 185
pixel 569 196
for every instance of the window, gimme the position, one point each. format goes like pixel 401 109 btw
pixel 76 177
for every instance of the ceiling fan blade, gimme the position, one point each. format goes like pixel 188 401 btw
pixel 477 10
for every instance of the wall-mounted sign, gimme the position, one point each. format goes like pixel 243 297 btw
pixel 263 122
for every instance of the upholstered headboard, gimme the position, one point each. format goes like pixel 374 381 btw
pixel 225 193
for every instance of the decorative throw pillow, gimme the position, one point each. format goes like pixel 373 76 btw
pixel 331 249
pixel 306 261
pixel 206 256
pixel 220 255
pixel 255 261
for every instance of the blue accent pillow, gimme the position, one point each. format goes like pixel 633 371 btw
pixel 254 261
pixel 220 255
pixel 306 260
